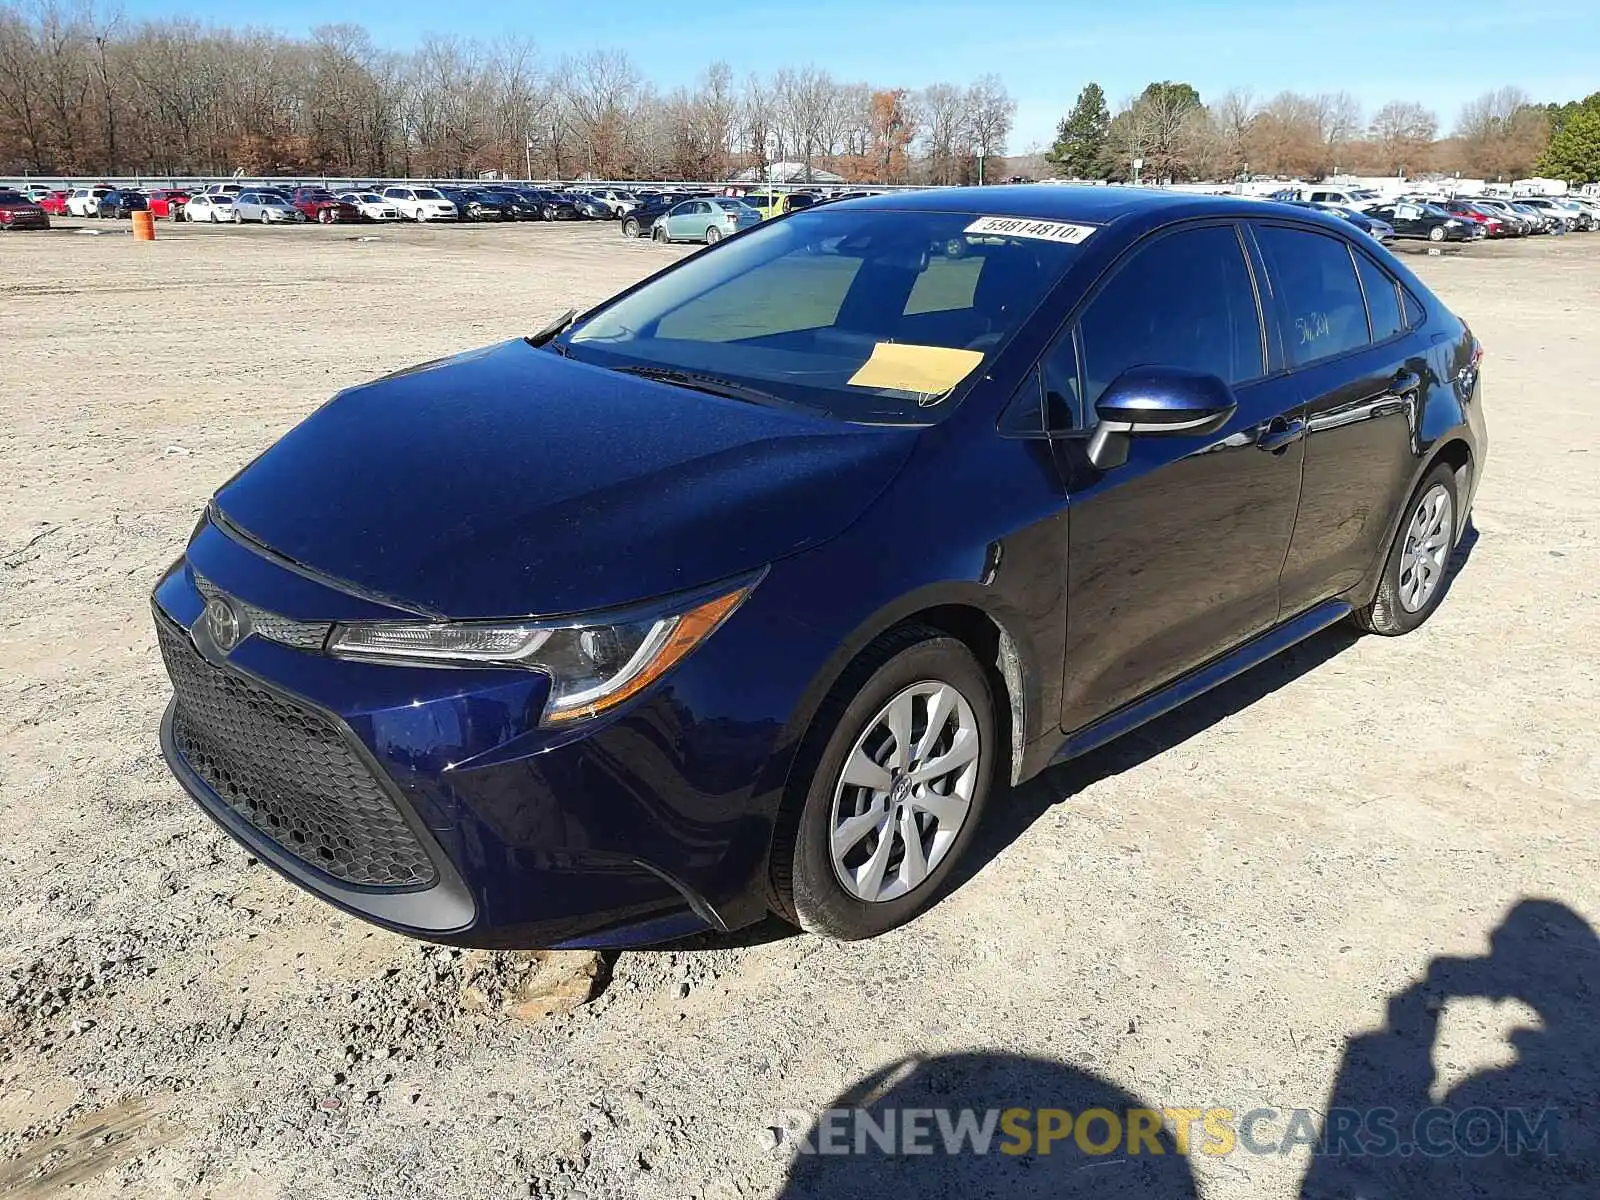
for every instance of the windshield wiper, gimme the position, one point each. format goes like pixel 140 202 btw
pixel 554 329
pixel 714 385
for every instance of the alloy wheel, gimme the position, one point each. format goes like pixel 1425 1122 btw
pixel 1427 547
pixel 905 792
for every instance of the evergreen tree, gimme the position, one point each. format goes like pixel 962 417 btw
pixel 1574 153
pixel 1079 150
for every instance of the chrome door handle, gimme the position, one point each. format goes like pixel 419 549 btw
pixel 1280 434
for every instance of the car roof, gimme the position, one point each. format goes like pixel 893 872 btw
pixel 1061 202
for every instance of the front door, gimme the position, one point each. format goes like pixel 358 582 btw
pixel 1175 556
pixel 678 221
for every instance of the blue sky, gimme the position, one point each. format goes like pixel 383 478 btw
pixel 1441 53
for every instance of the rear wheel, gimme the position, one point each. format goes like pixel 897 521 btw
pixel 713 236
pixel 1414 573
pixel 1436 234
pixel 900 768
pixel 325 216
pixel 238 217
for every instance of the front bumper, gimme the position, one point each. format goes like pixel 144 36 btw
pixel 643 827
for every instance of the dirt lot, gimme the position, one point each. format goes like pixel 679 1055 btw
pixel 1202 915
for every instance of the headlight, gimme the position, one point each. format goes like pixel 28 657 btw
pixel 593 665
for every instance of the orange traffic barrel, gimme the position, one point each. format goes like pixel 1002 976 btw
pixel 144 225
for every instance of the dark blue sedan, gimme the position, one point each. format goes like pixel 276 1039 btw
pixel 749 590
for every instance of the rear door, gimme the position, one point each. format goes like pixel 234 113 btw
pixel 1359 369
pixel 1175 555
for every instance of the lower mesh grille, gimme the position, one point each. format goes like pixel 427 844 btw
pixel 289 772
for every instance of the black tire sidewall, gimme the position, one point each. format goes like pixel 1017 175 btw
pixel 819 900
pixel 1389 616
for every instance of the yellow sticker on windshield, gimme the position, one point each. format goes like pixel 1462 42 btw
pixel 931 370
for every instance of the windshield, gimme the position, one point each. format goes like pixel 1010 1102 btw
pixel 867 315
pixel 370 198
pixel 428 194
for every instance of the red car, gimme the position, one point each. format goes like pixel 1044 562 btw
pixel 1493 226
pixel 168 203
pixel 55 203
pixel 319 204
pixel 18 212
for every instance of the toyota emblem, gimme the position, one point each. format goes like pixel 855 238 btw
pixel 222 623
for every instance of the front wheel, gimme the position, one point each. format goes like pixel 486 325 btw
pixel 1414 573
pixel 630 228
pixel 900 769
pixel 660 235
pixel 325 216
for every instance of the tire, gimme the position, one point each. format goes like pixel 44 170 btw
pixel 1397 608
pixel 808 886
pixel 1436 234
pixel 238 217
pixel 325 216
pixel 659 234
pixel 549 212
pixel 713 236
pixel 630 228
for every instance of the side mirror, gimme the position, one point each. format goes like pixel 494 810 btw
pixel 1156 402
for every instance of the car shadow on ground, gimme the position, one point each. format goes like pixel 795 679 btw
pixel 1012 811
pixel 973 1125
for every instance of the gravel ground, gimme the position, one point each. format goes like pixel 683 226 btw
pixel 1213 912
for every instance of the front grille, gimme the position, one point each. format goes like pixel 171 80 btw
pixel 289 772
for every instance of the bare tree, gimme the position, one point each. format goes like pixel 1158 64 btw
pixel 1502 133
pixel 1403 130
pixel 1337 116
pixel 601 89
pixel 947 138
pixel 1231 117
pixel 990 113
pixel 82 90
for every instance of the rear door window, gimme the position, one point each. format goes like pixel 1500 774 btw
pixel 1383 299
pixel 1323 308
pixel 1184 300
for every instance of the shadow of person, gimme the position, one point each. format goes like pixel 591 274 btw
pixel 982 1088
pixel 1528 1129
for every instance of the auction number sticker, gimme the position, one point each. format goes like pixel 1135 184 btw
pixel 1023 227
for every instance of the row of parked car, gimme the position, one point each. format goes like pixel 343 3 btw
pixel 239 202
pixel 667 214
pixel 1458 219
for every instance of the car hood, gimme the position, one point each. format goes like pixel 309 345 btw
pixel 511 481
